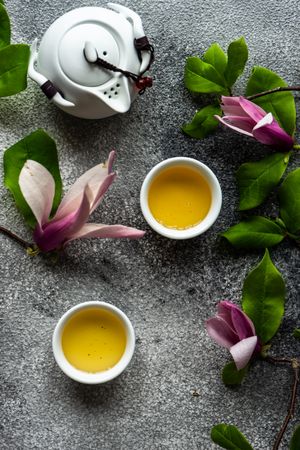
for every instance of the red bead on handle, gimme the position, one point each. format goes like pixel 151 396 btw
pixel 144 82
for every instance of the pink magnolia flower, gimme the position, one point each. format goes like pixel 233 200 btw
pixel 70 220
pixel 231 328
pixel 248 118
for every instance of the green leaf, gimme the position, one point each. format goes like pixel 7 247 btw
pixel 289 201
pixel 39 147
pixel 231 375
pixel 256 180
pixel 13 69
pixel 296 333
pixel 202 77
pixel 255 232
pixel 203 122
pixel 280 104
pixel 263 298
pixel 229 437
pixel 295 442
pixel 237 57
pixel 216 58
pixel 4 27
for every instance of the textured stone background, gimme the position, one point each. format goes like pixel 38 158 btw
pixel 167 288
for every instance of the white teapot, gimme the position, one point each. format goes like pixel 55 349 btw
pixel 91 61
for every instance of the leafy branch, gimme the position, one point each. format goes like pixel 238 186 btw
pixel 229 437
pixel 255 180
pixel 263 297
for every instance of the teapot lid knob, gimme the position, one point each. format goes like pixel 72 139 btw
pixel 90 52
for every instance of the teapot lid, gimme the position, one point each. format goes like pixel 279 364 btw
pixel 61 52
pixel 71 53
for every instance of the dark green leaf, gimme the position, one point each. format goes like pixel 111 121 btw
pixel 263 298
pixel 237 57
pixel 296 333
pixel 13 69
pixel 256 180
pixel 216 58
pixel 280 223
pixel 4 27
pixel 231 375
pixel 295 442
pixel 203 122
pixel 202 77
pixel 289 200
pixel 39 147
pixel 229 437
pixel 280 104
pixel 255 232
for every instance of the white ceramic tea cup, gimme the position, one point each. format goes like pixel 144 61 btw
pixel 216 200
pixel 98 377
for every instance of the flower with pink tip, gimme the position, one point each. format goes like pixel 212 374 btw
pixel 248 118
pixel 231 328
pixel 70 220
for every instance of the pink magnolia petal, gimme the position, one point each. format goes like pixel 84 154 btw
pixel 82 214
pixel 102 190
pixel 37 186
pixel 233 111
pixel 268 132
pixel 110 161
pixel 242 351
pixel 219 330
pixel 95 230
pixel 243 128
pixel 225 305
pixel 243 123
pixel 53 236
pixel 56 233
pixel 224 310
pixel 94 177
pixel 230 101
pixel 242 324
pixel 252 110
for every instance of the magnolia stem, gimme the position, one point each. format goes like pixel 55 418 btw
pixel 272 91
pixel 16 238
pixel 295 364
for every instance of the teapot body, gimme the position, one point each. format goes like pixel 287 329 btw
pixel 81 88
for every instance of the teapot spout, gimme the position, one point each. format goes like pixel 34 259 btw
pixel 118 103
pixel 46 86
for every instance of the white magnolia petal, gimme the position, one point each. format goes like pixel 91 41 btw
pixel 94 177
pixel 104 186
pixel 90 230
pixel 267 120
pixel 38 187
pixel 242 351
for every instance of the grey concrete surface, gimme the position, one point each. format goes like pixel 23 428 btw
pixel 167 288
